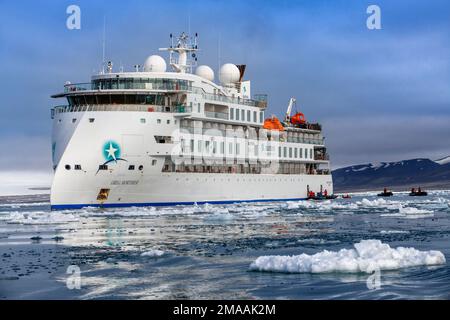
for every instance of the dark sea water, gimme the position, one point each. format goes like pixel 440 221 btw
pixel 205 252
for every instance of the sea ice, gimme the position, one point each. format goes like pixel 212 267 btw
pixel 367 256
pixel 153 253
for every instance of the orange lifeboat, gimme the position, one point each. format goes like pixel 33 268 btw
pixel 273 124
pixel 298 118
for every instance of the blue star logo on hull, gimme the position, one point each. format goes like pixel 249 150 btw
pixel 112 152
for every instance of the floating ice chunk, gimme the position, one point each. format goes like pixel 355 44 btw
pixel 39 218
pixel 153 253
pixel 366 256
pixel 412 210
pixel 219 216
pixel 394 232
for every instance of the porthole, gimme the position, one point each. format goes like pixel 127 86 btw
pixel 67 166
pixel 141 167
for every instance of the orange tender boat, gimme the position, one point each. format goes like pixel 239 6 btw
pixel 298 118
pixel 273 124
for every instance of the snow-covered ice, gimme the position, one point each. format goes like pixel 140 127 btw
pixel 366 256
pixel 153 253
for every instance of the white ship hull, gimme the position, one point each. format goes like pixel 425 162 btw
pixel 79 141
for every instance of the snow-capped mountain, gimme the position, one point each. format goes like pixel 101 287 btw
pixel 443 160
pixel 400 175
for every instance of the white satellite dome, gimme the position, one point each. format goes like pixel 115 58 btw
pixel 229 73
pixel 205 72
pixel 155 64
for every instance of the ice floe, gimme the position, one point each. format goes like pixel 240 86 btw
pixel 394 232
pixel 366 256
pixel 153 253
pixel 39 217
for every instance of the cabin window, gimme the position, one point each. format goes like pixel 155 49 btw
pixel 131 167
pixel 199 145
pixel 290 152
pixel 222 147
pixel 301 153
pixel 243 115
pixel 91 120
pixel 74 120
pixel 261 117
pixel 142 120
pixel 237 148
pixel 78 167
pixel 154 162
pixel 192 145
pixel 198 107
pixel 248 116
pixel 254 116
pixel 103 167
pixel 231 114
pixel 163 139
pixel 237 114
pixel 295 152
pixel 230 148
pixel 158 121
pixel 168 121
pixel 279 152
pixel 285 152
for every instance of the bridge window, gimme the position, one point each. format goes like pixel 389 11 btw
pixel 103 167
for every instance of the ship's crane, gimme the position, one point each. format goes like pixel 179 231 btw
pixel 292 102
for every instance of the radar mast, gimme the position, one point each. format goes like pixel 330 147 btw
pixel 186 49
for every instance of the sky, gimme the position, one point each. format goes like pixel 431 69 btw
pixel 381 95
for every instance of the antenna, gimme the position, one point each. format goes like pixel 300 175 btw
pixel 104 44
pixel 189 21
pixel 218 53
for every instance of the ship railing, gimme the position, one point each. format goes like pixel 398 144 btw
pixel 108 107
pixel 217 115
pixel 99 86
pixel 259 101
pixel 308 141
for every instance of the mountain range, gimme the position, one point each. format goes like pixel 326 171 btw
pixel 398 176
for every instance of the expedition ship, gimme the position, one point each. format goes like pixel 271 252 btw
pixel 155 137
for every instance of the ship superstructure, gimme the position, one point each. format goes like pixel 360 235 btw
pixel 158 137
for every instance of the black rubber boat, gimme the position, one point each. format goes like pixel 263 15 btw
pixel 418 194
pixel 385 194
